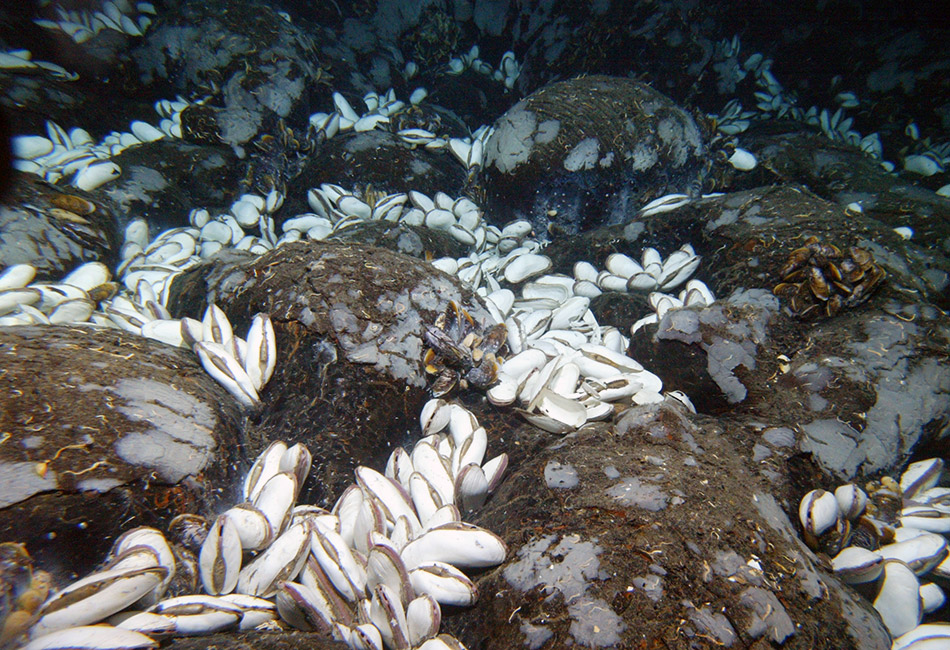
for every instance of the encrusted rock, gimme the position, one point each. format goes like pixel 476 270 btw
pixel 168 177
pixel 655 529
pixel 592 149
pixel 349 321
pixel 98 423
pixel 54 229
pixel 383 161
pixel 707 353
pixel 263 74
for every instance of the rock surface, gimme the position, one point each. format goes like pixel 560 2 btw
pixel 593 148
pixel 656 530
pixel 663 529
pixel 103 428
pixel 55 229
pixel 349 320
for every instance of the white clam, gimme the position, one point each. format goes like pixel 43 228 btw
pixel 220 559
pixel 91 177
pixel 818 512
pixel 898 601
pixel 526 266
pixel 458 544
pixel 91 637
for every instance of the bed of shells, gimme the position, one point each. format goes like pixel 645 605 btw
pixel 897 563
pixel 374 572
pixel 576 367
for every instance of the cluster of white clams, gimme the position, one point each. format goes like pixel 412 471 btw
pixel 551 331
pixel 22 61
pixel 380 107
pixel 565 369
pixel 893 577
pixel 60 154
pixel 242 366
pixel 118 15
pixel 373 572
pixel 75 155
pixel 773 102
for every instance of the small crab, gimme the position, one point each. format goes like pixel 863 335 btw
pixel 818 279
pixel 457 355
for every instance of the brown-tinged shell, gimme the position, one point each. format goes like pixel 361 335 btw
pixel 75 204
pixel 458 355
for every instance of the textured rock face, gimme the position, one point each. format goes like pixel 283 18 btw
pixel 99 423
pixel 382 161
pixel 862 389
pixel 349 321
pixel 167 177
pixel 263 73
pixel 53 229
pixel 593 149
pixel 658 529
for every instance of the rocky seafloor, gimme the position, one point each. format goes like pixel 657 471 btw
pixel 656 526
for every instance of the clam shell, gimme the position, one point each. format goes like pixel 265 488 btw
pixel 458 544
pixel 276 499
pixel 91 177
pixel 399 466
pixel 921 476
pixel 331 605
pixel 105 593
pixel 304 607
pixel 423 618
pixel 389 617
pixel 253 528
pixel 392 497
pixel 427 461
pixel 11 299
pixel 443 582
pixel 88 276
pixel 851 500
pixel 341 567
pixel 254 610
pixel 526 266
pixel 929 636
pixel 281 561
pixel 91 637
pixel 921 554
pixel 818 512
pixel 220 559
pixel 199 614
pixel 898 601
pixel 384 566
pixel 16 276
pixel 855 565
pixel 618 264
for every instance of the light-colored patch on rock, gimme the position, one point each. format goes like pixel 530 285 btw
pixel 568 568
pixel 19 481
pixel 768 615
pixel 644 156
pixel 511 143
pixel 558 475
pixel 631 491
pixel 582 155
pixel 179 442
